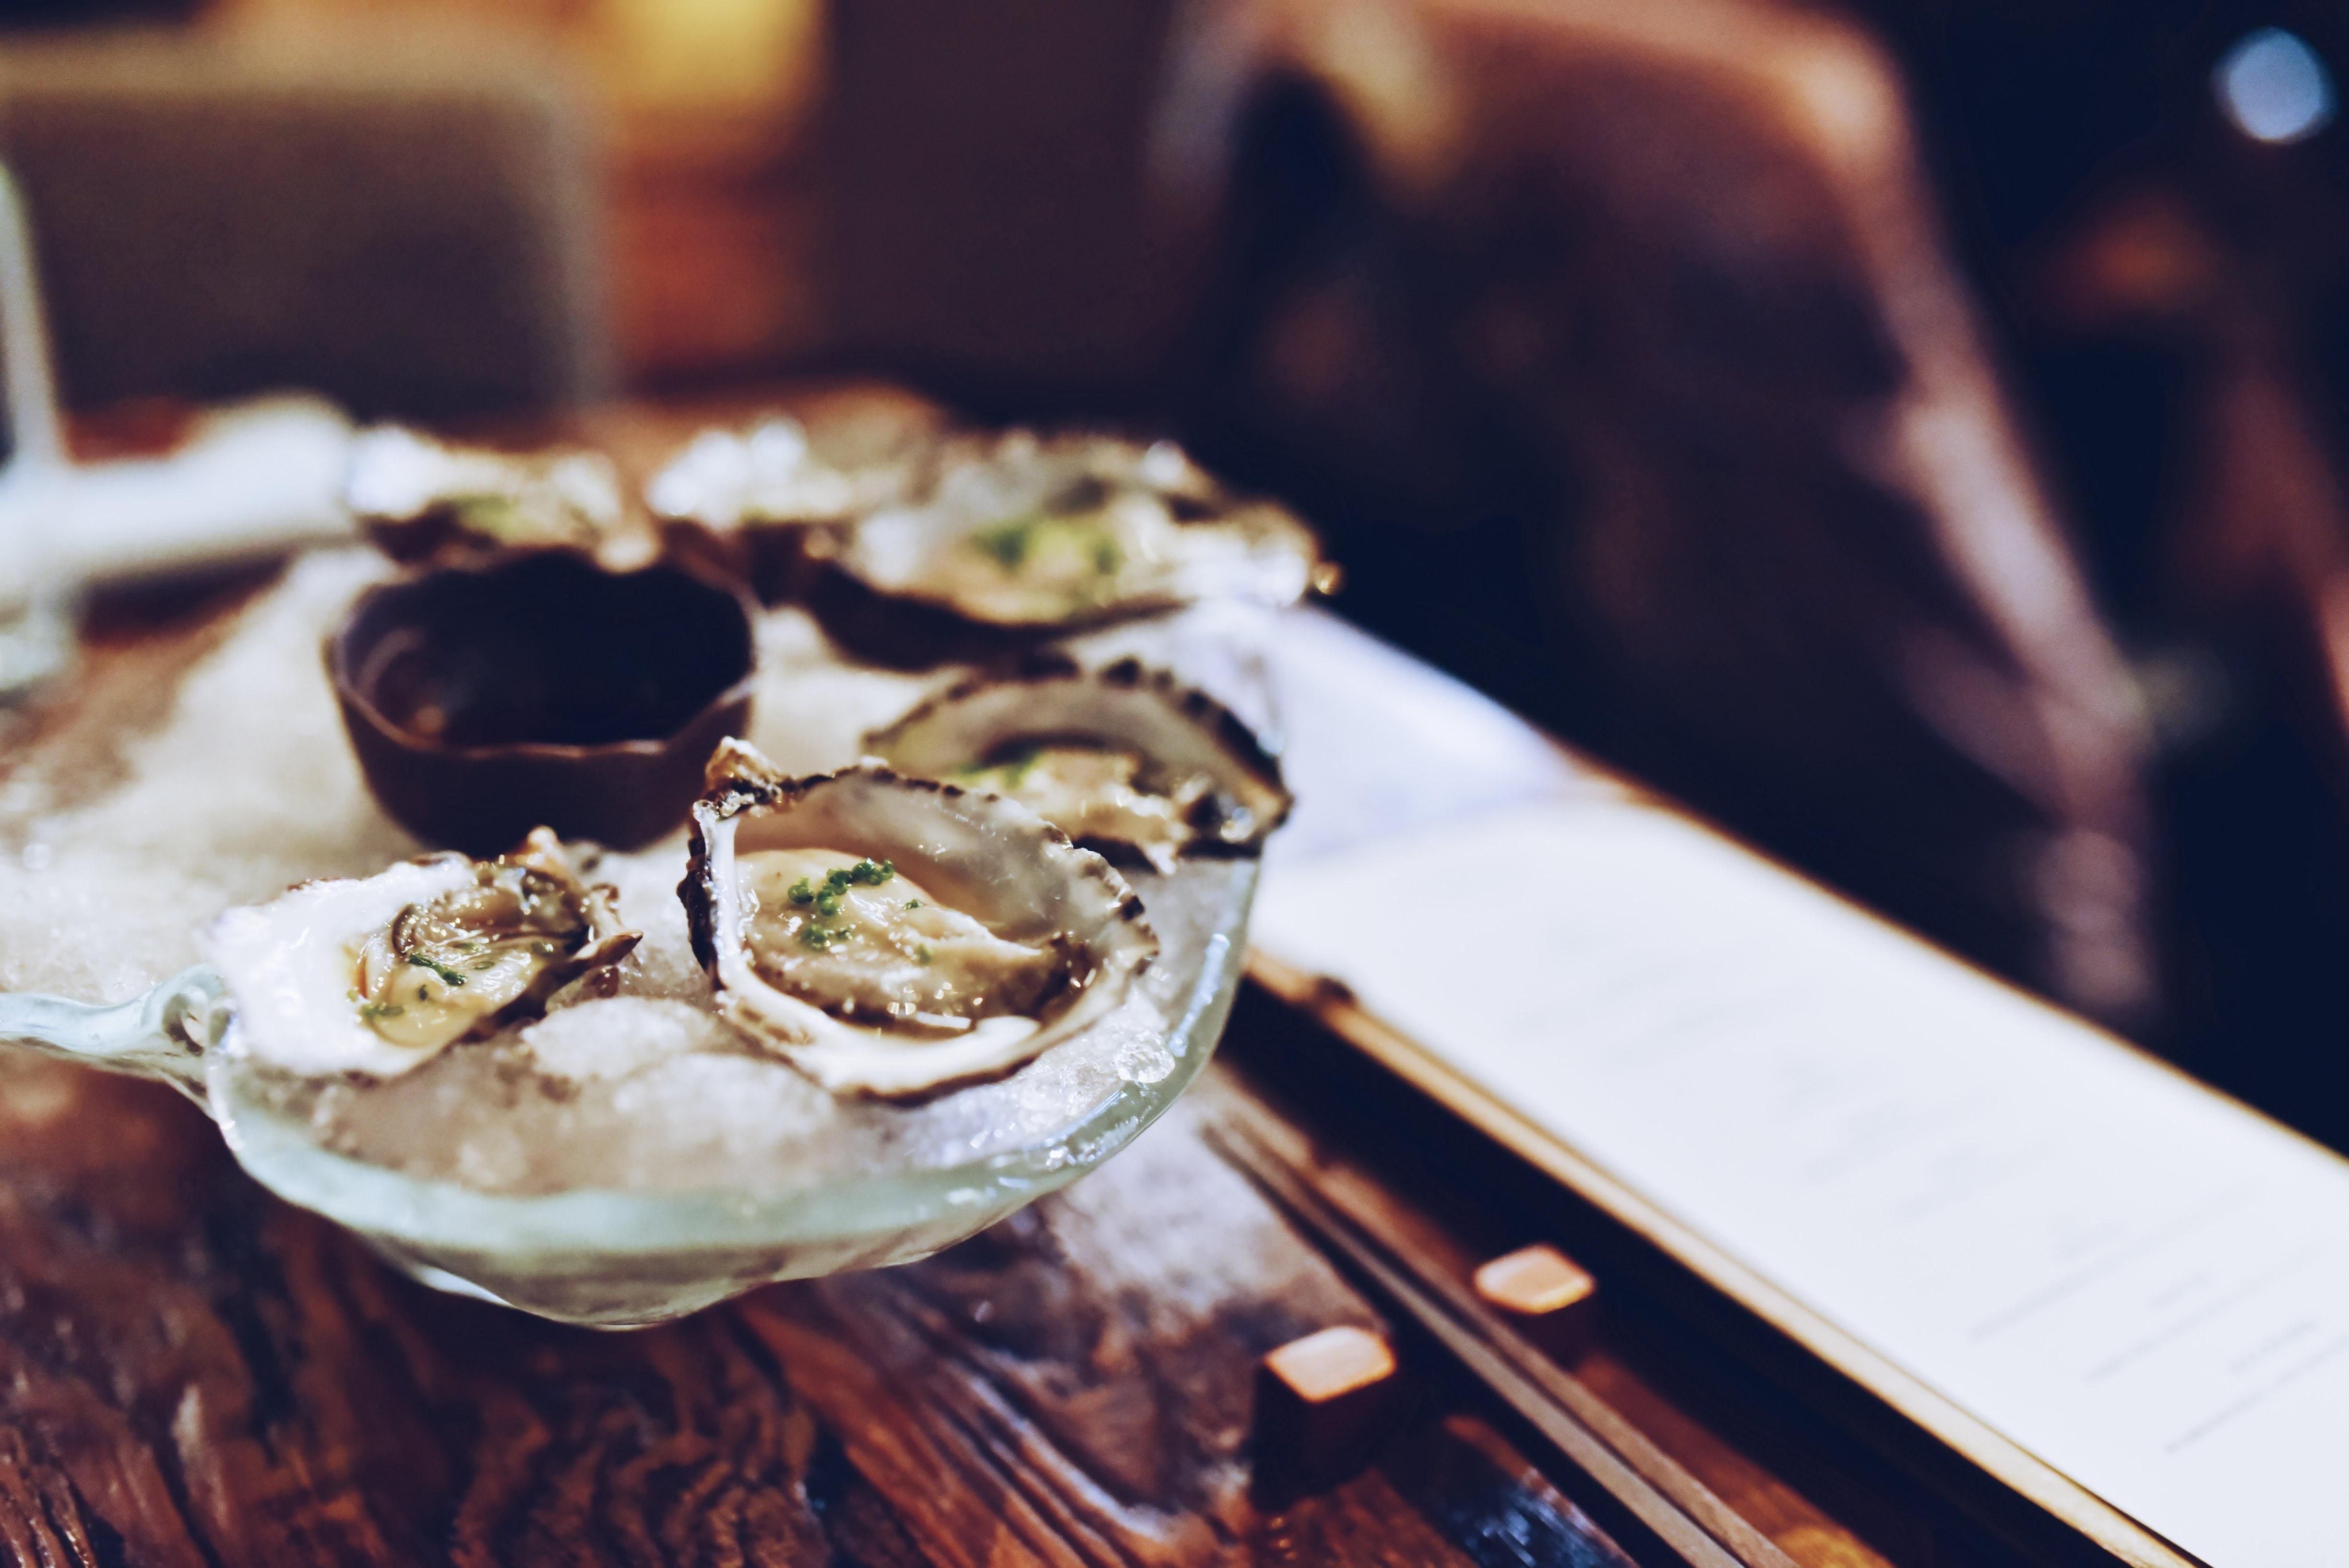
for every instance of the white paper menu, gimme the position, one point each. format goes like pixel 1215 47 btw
pixel 2140 1283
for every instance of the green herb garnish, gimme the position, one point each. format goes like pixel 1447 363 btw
pixel 826 899
pixel 1007 544
pixel 816 938
pixel 434 965
pixel 864 874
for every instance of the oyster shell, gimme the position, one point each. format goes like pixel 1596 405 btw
pixel 377 975
pixel 1031 534
pixel 422 500
pixel 763 503
pixel 767 474
pixel 1122 758
pixel 892 936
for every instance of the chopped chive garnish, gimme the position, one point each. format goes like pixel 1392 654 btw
pixel 816 938
pixel 1007 543
pixel 434 965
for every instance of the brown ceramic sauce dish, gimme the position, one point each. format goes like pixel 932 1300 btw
pixel 547 691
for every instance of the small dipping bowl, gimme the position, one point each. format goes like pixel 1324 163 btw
pixel 545 690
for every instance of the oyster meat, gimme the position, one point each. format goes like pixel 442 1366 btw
pixel 1124 758
pixel 892 936
pixel 1036 533
pixel 422 500
pixel 766 475
pixel 378 975
pixel 765 504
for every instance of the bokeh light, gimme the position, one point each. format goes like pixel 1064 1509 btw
pixel 2273 87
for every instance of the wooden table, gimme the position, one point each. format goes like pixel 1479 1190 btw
pixel 193 1373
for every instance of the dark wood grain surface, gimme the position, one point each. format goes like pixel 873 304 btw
pixel 193 1373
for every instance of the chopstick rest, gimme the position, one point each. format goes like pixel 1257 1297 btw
pixel 1692 1525
pixel 1547 1296
pixel 1322 1403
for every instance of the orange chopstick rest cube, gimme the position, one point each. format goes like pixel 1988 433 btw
pixel 1543 1295
pixel 1320 1403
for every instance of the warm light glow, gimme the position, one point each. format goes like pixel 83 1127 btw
pixel 757 54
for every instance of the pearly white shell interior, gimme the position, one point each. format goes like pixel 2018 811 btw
pixel 288 962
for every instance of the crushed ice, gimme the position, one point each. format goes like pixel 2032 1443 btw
pixel 249 786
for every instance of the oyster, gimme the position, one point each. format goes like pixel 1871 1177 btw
pixel 422 499
pixel 378 975
pixel 763 504
pixel 1045 534
pixel 767 474
pixel 1124 758
pixel 892 936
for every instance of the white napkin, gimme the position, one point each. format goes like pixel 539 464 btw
pixel 256 477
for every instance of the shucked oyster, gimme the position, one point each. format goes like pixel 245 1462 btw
pixel 1122 757
pixel 422 499
pixel 763 503
pixel 891 936
pixel 770 475
pixel 1045 534
pixel 379 975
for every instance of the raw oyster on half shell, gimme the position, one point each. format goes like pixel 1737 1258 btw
pixel 764 503
pixel 1123 758
pixel 379 975
pixel 1033 533
pixel 422 500
pixel 768 475
pixel 894 936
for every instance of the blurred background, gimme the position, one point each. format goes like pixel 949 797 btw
pixel 1912 434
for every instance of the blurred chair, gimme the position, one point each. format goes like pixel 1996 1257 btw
pixel 1622 344
pixel 408 224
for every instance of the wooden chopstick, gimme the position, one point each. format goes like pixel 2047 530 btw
pixel 1681 1513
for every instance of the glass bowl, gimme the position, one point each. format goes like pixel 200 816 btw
pixel 613 1257
pixel 470 1172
